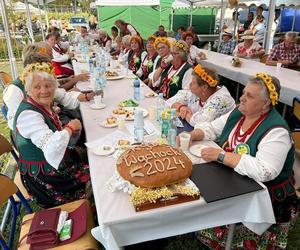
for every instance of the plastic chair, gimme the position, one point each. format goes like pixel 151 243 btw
pixel 8 190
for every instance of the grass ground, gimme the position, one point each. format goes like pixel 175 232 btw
pixel 187 242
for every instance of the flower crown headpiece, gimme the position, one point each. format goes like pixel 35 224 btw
pixel 43 51
pixel 40 66
pixel 204 76
pixel 163 40
pixel 273 95
pixel 179 45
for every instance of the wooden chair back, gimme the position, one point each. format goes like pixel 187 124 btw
pixel 5 78
pixel 5 147
pixel 8 188
pixel 296 108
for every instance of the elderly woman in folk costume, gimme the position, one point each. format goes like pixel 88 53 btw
pixel 50 172
pixel 148 60
pixel 255 142
pixel 104 40
pixel 177 74
pixel 195 55
pixel 205 100
pixel 162 45
pixel 61 58
pixel 135 54
pixel 249 49
pixel 15 92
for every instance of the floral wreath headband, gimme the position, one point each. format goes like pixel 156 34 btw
pixel 42 67
pixel 163 40
pixel 273 95
pixel 182 46
pixel 204 76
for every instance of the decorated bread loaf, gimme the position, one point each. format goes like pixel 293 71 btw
pixel 153 165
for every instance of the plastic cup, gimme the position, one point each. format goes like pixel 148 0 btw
pixel 279 65
pixel 98 100
pixel 184 139
pixel 121 121
pixel 152 113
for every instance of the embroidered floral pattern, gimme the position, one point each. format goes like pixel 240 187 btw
pixel 174 80
pixel 44 140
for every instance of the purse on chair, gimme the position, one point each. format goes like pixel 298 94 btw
pixel 42 233
pixel 43 230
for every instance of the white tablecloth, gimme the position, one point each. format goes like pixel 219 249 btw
pixel 120 225
pixel 289 79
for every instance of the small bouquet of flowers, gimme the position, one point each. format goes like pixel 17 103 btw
pixel 236 62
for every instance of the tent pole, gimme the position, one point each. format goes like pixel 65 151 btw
pixel 191 15
pixel 43 34
pixel 46 11
pixel 221 24
pixel 12 59
pixel 172 17
pixel 30 31
pixel 235 21
pixel 159 14
pixel 294 18
pixel 269 26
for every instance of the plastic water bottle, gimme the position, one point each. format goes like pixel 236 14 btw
pixel 91 65
pixel 172 132
pixel 138 126
pixel 165 123
pixel 209 47
pixel 160 104
pixel 137 89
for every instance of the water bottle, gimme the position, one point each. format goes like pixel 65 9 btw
pixel 165 123
pixel 137 89
pixel 160 104
pixel 91 65
pixel 138 126
pixel 209 47
pixel 172 132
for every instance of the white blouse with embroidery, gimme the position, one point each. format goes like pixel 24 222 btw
pixel 271 152
pixel 13 96
pixel 216 105
pixel 194 55
pixel 31 125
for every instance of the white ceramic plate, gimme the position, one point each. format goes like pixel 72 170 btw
pixel 132 109
pixel 106 125
pixel 112 78
pixel 94 106
pixel 150 94
pixel 196 150
pixel 103 150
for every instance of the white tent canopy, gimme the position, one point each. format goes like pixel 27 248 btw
pixel 218 3
pixel 21 7
pixel 126 3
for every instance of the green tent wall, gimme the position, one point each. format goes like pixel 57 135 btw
pixel 146 19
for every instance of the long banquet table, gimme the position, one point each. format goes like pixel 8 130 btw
pixel 120 225
pixel 289 79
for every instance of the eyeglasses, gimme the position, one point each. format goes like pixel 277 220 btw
pixel 162 47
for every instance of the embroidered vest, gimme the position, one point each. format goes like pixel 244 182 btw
pixel 282 185
pixel 134 63
pixel 148 68
pixel 171 87
pixel 31 160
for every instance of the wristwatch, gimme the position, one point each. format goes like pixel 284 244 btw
pixel 221 157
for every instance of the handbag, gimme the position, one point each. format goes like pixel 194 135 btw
pixel 43 230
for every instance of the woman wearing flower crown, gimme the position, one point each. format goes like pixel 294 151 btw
pixel 255 142
pixel 148 60
pixel 174 74
pixel 135 54
pixel 50 172
pixel 205 100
